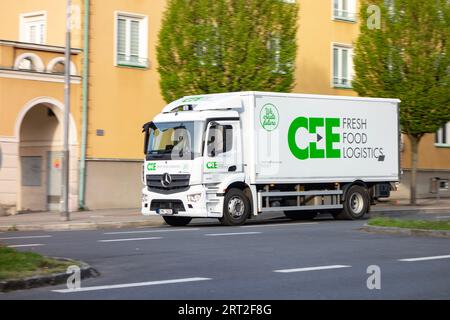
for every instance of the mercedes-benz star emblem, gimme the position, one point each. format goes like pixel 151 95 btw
pixel 166 180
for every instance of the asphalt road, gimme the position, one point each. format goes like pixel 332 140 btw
pixel 276 259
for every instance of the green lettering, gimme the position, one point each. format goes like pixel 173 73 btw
pixel 331 137
pixel 315 153
pixel 300 122
pixel 211 165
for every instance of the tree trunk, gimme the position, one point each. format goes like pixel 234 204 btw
pixel 414 159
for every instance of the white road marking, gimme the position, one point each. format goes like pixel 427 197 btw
pixel 131 285
pixel 312 268
pixel 150 231
pixel 230 234
pixel 26 245
pixel 278 224
pixel 130 239
pixel 26 237
pixel 425 258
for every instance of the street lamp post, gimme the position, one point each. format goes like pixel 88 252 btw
pixel 66 156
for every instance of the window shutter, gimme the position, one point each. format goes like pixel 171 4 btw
pixel 134 40
pixel 32 34
pixel 344 66
pixel 41 32
pixel 336 66
pixel 121 39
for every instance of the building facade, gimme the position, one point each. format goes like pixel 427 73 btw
pixel 115 89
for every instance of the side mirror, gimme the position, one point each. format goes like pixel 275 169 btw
pixel 146 129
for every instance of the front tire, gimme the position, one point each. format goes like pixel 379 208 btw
pixel 356 204
pixel 236 208
pixel 177 221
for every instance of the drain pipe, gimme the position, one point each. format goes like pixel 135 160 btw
pixel 82 177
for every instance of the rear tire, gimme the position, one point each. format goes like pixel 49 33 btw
pixel 177 221
pixel 236 208
pixel 356 204
pixel 300 215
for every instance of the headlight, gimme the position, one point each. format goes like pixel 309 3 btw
pixel 194 197
pixel 144 198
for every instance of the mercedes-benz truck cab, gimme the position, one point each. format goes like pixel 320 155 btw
pixel 233 156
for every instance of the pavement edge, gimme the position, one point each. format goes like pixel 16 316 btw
pixel 86 271
pixel 407 232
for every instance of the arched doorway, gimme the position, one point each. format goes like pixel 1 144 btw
pixel 39 131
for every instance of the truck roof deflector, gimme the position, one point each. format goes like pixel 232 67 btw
pixel 219 102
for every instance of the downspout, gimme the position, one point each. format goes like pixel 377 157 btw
pixel 82 178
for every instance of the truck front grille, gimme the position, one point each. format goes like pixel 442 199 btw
pixel 177 182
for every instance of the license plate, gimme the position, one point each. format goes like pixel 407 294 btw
pixel 165 211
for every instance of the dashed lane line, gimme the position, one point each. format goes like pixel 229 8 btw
pixel 26 245
pixel 230 234
pixel 132 285
pixel 150 231
pixel 337 266
pixel 26 237
pixel 130 239
pixel 279 225
pixel 425 258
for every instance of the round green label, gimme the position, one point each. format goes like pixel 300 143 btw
pixel 269 117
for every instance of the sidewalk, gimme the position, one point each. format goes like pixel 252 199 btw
pixel 129 218
pixel 423 205
pixel 84 220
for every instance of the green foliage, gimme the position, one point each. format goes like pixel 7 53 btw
pixel 227 45
pixel 408 58
pixel 15 264
pixel 410 224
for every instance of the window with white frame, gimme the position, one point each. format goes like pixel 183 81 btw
pixel 131 40
pixel 344 10
pixel 443 135
pixel 342 66
pixel 33 27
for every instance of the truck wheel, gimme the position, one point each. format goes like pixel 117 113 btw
pixel 300 215
pixel 177 221
pixel 236 208
pixel 356 204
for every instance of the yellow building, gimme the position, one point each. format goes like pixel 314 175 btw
pixel 115 89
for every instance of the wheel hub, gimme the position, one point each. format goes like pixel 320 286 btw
pixel 356 203
pixel 236 207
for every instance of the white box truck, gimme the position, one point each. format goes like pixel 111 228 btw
pixel 233 156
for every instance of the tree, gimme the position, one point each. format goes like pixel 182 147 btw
pixel 226 45
pixel 408 58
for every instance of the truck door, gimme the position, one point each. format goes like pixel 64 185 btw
pixel 223 150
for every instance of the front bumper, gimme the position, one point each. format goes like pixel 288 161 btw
pixel 208 205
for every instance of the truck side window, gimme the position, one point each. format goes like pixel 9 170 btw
pixel 220 140
pixel 227 138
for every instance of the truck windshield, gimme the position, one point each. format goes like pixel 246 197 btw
pixel 175 140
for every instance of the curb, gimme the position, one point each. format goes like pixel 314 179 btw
pixel 383 210
pixel 86 271
pixel 407 232
pixel 80 226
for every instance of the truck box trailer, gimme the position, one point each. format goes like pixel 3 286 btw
pixel 233 156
